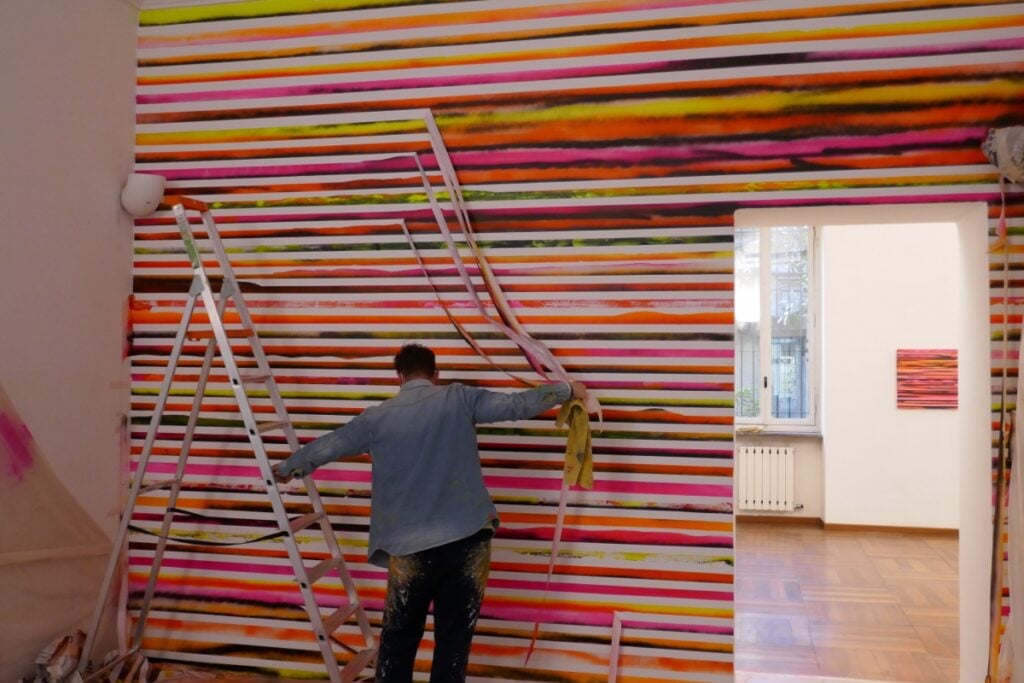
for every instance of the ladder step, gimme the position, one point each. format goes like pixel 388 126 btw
pixel 157 485
pixel 261 378
pixel 263 427
pixel 318 571
pixel 307 520
pixel 231 334
pixel 358 663
pixel 340 616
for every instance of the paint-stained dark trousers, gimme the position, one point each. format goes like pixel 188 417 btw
pixel 452 576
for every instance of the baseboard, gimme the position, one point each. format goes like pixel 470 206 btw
pixel 816 521
pixel 779 519
pixel 919 530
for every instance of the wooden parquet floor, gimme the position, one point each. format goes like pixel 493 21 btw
pixel 873 605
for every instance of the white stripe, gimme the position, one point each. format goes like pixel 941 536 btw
pixel 229 146
pixel 257 164
pixel 633 200
pixel 546 186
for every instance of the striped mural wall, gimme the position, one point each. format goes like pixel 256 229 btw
pixel 602 147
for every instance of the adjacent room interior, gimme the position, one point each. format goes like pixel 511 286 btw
pixel 853 573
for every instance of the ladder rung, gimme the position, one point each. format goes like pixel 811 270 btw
pixel 340 616
pixel 263 427
pixel 318 571
pixel 157 485
pixel 234 333
pixel 254 379
pixel 307 520
pixel 358 663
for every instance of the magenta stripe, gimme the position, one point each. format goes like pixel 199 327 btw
pixel 546 533
pixel 588 617
pixel 537 588
pixel 283 569
pixel 286 595
pixel 655 353
pixel 495 481
pixel 600 486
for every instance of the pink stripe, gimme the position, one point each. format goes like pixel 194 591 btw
pixel 282 569
pixel 286 595
pixel 655 353
pixel 596 617
pixel 603 486
pixel 620 536
pixel 538 586
pixel 250 472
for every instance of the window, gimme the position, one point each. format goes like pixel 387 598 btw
pixel 776 331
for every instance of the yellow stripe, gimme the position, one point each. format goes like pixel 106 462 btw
pixel 254 9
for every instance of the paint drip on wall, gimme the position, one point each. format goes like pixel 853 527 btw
pixel 15 442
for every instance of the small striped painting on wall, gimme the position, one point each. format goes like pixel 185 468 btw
pixel 926 378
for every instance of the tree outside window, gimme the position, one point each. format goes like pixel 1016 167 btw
pixel 774 321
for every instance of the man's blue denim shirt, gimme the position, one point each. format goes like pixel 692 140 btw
pixel 428 487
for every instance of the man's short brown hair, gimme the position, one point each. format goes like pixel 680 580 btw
pixel 415 360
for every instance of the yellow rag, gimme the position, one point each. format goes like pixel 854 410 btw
pixel 579 458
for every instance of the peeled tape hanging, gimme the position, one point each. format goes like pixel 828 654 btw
pixel 538 355
pixel 578 470
pixel 574 413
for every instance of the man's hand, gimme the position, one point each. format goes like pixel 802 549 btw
pixel 579 390
pixel 281 478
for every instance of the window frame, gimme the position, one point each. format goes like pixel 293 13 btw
pixel 765 422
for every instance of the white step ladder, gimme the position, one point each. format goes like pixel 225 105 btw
pixel 323 625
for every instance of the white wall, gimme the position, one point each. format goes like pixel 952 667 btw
pixel 887 287
pixel 67 80
pixel 975 435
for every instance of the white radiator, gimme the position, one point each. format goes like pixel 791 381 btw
pixel 764 478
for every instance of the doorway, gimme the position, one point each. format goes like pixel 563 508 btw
pixel 969 314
